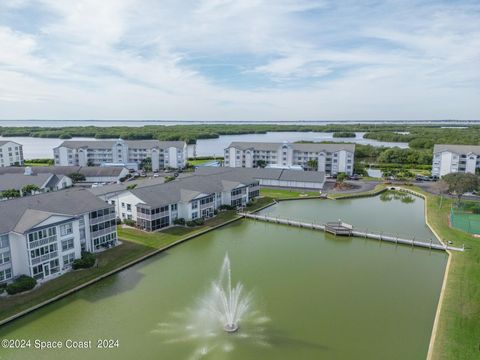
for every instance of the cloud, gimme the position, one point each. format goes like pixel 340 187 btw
pixel 229 60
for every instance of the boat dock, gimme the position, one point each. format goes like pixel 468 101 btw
pixel 343 229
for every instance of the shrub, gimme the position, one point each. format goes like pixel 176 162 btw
pixel 226 207
pixel 86 261
pixel 190 223
pixel 21 284
pixel 199 221
pixel 129 222
pixel 179 221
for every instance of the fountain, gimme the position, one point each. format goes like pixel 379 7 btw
pixel 220 311
pixel 225 302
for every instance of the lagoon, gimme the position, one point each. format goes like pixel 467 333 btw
pixel 314 295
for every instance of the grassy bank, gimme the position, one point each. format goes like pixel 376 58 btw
pixel 458 332
pixel 377 189
pixel 287 193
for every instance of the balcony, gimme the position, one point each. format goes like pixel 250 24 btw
pixel 48 240
pixel 45 257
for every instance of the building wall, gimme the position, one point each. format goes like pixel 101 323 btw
pixel 330 162
pixel 11 153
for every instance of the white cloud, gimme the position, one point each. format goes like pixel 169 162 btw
pixel 123 59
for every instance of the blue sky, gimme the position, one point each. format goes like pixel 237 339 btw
pixel 239 60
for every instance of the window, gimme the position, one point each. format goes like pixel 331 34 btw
pixel 195 205
pixel 4 241
pixel 173 207
pixel 5 274
pixel 129 207
pixel 68 259
pixel 4 257
pixel 123 204
pixel 66 229
pixel 67 244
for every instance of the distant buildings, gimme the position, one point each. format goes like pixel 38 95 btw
pixel 11 153
pixel 129 153
pixel 93 174
pixel 193 197
pixel 455 158
pixel 41 235
pixel 44 181
pixel 328 158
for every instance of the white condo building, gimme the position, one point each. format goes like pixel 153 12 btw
pixel 11 153
pixel 130 153
pixel 331 158
pixel 41 235
pixel 455 158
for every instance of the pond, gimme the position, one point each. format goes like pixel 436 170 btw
pixel 314 296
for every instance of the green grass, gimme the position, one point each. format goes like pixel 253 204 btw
pixel 286 193
pixel 374 191
pixel 107 261
pixel 135 244
pixel 458 333
pixel 201 161
pixel 26 163
pixel 259 203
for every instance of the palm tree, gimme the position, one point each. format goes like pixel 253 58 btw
pixel 312 164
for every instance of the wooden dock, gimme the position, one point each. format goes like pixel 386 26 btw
pixel 343 229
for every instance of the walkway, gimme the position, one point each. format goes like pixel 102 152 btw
pixel 352 232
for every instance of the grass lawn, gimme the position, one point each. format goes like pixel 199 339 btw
pixel 286 193
pixel 107 261
pixel 458 333
pixel 26 163
pixel 202 161
pixel 372 192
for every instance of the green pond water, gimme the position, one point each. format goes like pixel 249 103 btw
pixel 314 297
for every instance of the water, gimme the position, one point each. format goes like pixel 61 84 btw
pixel 314 296
pixel 395 214
pixel 43 147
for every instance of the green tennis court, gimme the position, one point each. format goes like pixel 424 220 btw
pixel 465 221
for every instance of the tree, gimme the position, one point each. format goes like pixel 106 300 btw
pixel 261 163
pixel 312 164
pixel 341 177
pixel 29 189
pixel 146 164
pixel 10 194
pixel 460 183
pixel 76 177
pixel 441 187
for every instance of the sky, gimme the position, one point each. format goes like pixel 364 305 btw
pixel 239 59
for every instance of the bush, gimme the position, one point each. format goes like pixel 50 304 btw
pixel 86 261
pixel 196 222
pixel 226 207
pixel 179 221
pixel 129 222
pixel 21 284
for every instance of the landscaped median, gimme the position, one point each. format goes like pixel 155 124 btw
pixel 136 246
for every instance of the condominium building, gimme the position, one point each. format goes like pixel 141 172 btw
pixel 329 158
pixel 198 196
pixel 455 158
pixel 130 153
pixel 11 153
pixel 41 235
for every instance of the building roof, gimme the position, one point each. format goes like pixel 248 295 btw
pixel 17 181
pixel 88 171
pixel 459 149
pixel 133 144
pixel 189 188
pixel 70 202
pixel 272 174
pixel 3 142
pixel 274 146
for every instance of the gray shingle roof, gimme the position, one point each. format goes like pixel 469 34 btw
pixel 459 149
pixel 71 202
pixel 89 171
pixel 296 146
pixel 133 144
pixel 186 189
pixel 17 181
pixel 273 174
pixel 3 142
